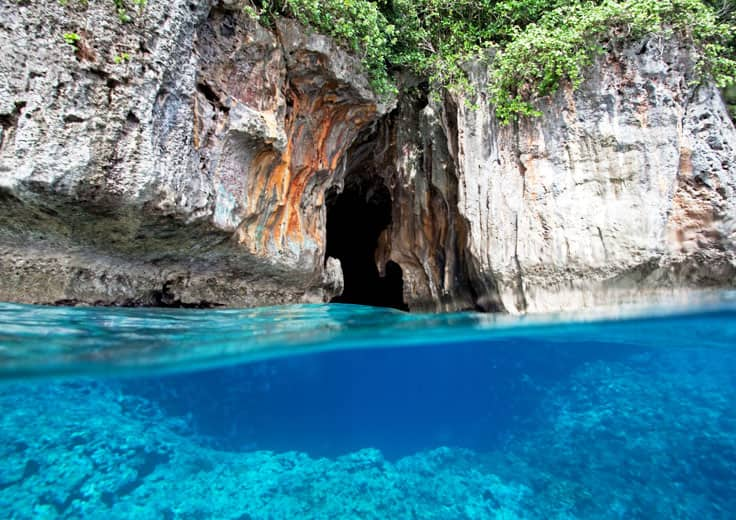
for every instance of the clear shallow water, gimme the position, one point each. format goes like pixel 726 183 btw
pixel 210 414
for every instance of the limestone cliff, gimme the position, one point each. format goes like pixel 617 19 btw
pixel 180 159
pixel 194 157
pixel 622 188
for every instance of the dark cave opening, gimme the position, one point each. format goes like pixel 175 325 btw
pixel 355 219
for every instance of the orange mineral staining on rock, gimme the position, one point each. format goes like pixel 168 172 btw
pixel 320 127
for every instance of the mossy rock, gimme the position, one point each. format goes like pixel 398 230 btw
pixel 729 95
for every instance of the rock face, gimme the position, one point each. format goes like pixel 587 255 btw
pixel 621 189
pixel 179 159
pixel 189 158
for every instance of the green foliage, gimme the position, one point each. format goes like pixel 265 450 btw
pixel 729 95
pixel 538 44
pixel 121 58
pixel 251 11
pixel 358 25
pixel 541 43
pixel 82 3
pixel 438 36
pixel 123 10
pixel 564 41
pixel 72 39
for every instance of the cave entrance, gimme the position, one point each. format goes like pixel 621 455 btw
pixel 355 219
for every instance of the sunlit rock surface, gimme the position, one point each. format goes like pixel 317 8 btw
pixel 192 173
pixel 187 158
pixel 620 188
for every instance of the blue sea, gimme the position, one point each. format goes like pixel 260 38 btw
pixel 349 412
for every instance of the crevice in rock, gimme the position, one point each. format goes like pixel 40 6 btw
pixel 522 302
pixel 356 217
pixel 213 97
pixel 31 468
pixel 132 119
pixel 399 180
pixel 166 297
pixel 73 118
pixel 61 506
pixel 8 122
pixel 149 461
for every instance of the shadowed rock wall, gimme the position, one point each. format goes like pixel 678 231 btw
pixel 410 150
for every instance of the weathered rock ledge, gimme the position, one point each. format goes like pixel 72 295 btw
pixel 216 162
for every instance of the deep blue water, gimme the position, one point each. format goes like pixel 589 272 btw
pixel 338 411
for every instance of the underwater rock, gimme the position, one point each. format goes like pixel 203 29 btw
pixel 646 433
pixel 127 459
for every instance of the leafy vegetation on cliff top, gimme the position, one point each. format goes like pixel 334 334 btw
pixel 538 44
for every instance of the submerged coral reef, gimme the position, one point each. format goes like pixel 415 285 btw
pixel 651 434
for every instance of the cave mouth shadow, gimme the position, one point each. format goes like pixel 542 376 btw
pixel 356 217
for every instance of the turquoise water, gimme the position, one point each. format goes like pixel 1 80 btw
pixel 340 411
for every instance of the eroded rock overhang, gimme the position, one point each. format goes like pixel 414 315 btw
pixel 192 173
